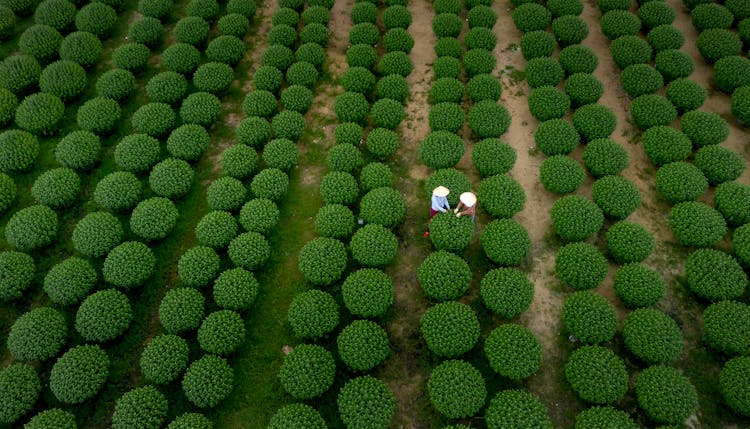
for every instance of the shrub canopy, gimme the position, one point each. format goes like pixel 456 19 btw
pixel 456 389
pixel 513 351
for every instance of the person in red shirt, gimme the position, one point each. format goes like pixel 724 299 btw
pixel 469 201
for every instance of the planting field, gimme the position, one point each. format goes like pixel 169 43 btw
pixel 216 214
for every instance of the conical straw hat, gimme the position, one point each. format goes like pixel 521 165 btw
pixel 441 191
pixel 468 198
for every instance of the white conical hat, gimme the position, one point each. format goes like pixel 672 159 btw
pixel 468 198
pixel 441 191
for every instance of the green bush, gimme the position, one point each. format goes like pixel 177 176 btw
pixel 270 183
pixel 446 67
pixel 364 33
pixel 718 43
pixel 446 117
pixel 375 175
pixel 79 374
pixel 367 293
pixel 344 157
pixel 680 181
pixel 594 121
pixel 383 206
pixel 188 142
pixel 171 178
pixel 732 200
pixel 652 336
pixel 366 402
pixel 164 359
pixel 531 17
pixel 254 132
pixel 446 24
pixel 711 15
pixel 704 128
pixel 581 265
pixel 334 221
pixel 719 164
pixel 31 228
pixel 38 334
pixel 116 84
pixel 358 79
pixel 686 94
pixel 19 73
pixel 130 56
pixel 577 59
pixel 103 316
pixel 565 7
pixel 181 310
pixel 277 56
pixel 725 327
pixel 480 38
pixel 268 78
pixel 393 86
pixel 450 329
pixel 20 391
pixel 505 242
pixel 96 234
pixel 617 23
pixel 664 145
pixel 714 275
pixel 741 104
pixel 506 291
pixel 212 77
pixel 501 196
pixel 654 14
pixel 547 102
pixel 68 282
pixel 259 215
pixel 153 218
pixel 7 192
pixel 569 30
pixel 206 9
pixel 200 108
pixel 628 50
pixel 583 88
pixel 373 246
pixel 7 20
pixel 53 417
pixel 447 6
pixel 484 87
pixel 118 191
pixel 731 73
pixel 444 276
pixel 351 107
pixel 441 149
pixel 451 233
pixel 99 115
pixel 543 71
pixel 233 24
pixel 307 371
pixel 641 79
pixel 396 16
pixel 734 386
pixel 362 55
pixel 488 119
pixel 216 229
pixel 456 389
pixel 221 332
pixel 129 265
pixel 192 30
pixel 154 119
pixel 597 375
pixel 739 9
pixel 674 64
pixel 452 179
pixel 395 63
pixel 575 218
pixel 208 381
pixel 143 407
pixel 155 8
pixel 285 16
pixel 506 344
pixel 492 156
pixel 398 39
pixel 41 41
pixel 629 242
pixel 481 16
pixel 363 345
pixel 249 250
pixel 282 34
pixel 556 137
pixel 235 289
pixel 561 174
pixel 517 409
pixel 387 113
pixel 652 110
pixel 338 187
pixel 316 14
pixel 664 37
pixel 146 30
pixel 638 286
pixel 589 317
pixel 313 314
pixel 260 103
pixel 198 266
pixel 596 417
pixel 322 261
pixel 696 224
pixel 40 113
pixel 9 102
pixel 192 420
pixel 537 44
pixel 665 394
pixel 280 153
pixel 57 188
pixel 298 415
pixel 64 79
pixel 315 32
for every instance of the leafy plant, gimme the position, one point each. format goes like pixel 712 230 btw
pixel 537 44
pixel 42 41
pixel 20 391
pixel 547 103
pixel 543 71
pixel 597 375
pixel 99 115
pixel 395 63
pixel 513 351
pixel 717 43
pixel 446 116
pixel 444 275
pixel 561 174
pixel 367 403
pixel 725 327
pixel 652 336
pixel 387 113
pixel 367 293
pixel 96 234
pixel 714 275
pixel 696 224
pixel 79 374
pixel 577 59
pixel 241 161
pixel 651 110
pixel 40 113
pixel 383 206
pixel 375 175
pixel 38 334
pixel 674 64
pixel 575 218
pixel 505 242
pixel 143 407
pixel 68 282
pixel 450 328
pixel 618 22
pixel 456 389
pixel 581 265
pixel 664 37
pixel 131 56
pixel 19 73
pixel 446 67
pixel 363 345
pixel 629 242
pixel 221 332
pixel 373 246
pixel 18 270
pixel 480 38
pixel 322 260
pixel 594 121
pixel 154 119
pixel 298 415
pixel 440 149
pixel 719 164
pixel 338 187
pixel 208 381
pixel 31 228
pixel 732 200
pixel 129 265
pixel 393 86
pixel 307 371
pixel 53 417
pixel 501 196
pixel 103 316
pixel 664 145
pixel 64 79
pixel 595 417
pixel 164 358
pixel 556 137
pixel 733 384
pixel 665 395
pixel 361 55
pixel 56 188
pixel 270 183
pixel 589 317
pixel 116 84
pixel 484 87
pixel 565 7
pixel 711 15
pixel 630 49
pixel 569 30
pixel 686 94
pixel 506 291
pixel 583 88
pixel 531 17
pixel 181 310
pixel 200 108
pixel 517 409
pixel 451 233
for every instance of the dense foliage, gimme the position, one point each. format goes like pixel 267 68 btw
pixel 307 371
pixel 501 196
pixel 734 386
pixel 513 351
pixel 517 409
pixel 363 345
pixel 313 314
pixel 373 246
pixel 79 374
pixel 652 336
pixel 589 317
pixel 19 390
pixel 181 310
pixel 70 281
pixel 665 394
pixel 367 403
pixel 368 292
pixel 129 265
pixel 629 242
pixel 164 358
pixel 597 375
pixel 208 381
pixel 31 228
pixel 505 242
pixel 103 316
pixel 38 334
pixel 444 275
pixel 576 218
pixel 450 329
pixel 696 224
pixel 221 332
pixel 456 389
pixel 714 275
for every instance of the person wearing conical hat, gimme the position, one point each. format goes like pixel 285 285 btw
pixel 469 201
pixel 439 201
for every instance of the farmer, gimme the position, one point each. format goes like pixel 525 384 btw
pixel 469 201
pixel 439 201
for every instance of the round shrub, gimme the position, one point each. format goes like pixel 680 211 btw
pixel 260 103
pixel 575 218
pixel 741 104
pixel 565 7
pixel 732 72
pixel 7 21
pixel 363 345
pixel 561 174
pixel 446 117
pixel 351 107
pixel 543 71
pixel 20 391
pixel 393 86
pixel 665 395
pixel 387 113
pixel 270 183
pixel 297 98
pixel 501 196
pixel 732 200
pixel 480 38
pixel 192 30
pixel 506 291
pixel 282 34
pixel 576 59
pixel 40 113
pixel 188 142
pixel 395 63
pixel 607 5
pixel 664 37
pixel 556 137
pixel 96 18
pixel 171 178
pixel 99 115
pixel 253 131
pixel 164 359
pixel 322 260
pixel 338 187
pixel 181 310
pixel 680 181
pixel 235 289
pixel 492 156
pixel 18 270
pixel 547 102
pixel 216 229
pixel 704 128
pixel 364 33
pixel 316 14
pixel 154 119
pixel 198 266
pixel 446 25
pixel 367 293
pixel 503 411
pixel 280 153
pixel 373 246
pixel 19 73
pixel 674 64
pixel 383 206
pixel 344 157
pixel 143 407
pixel 597 375
pixel 38 334
pixel 79 374
pixel 456 389
pixel 249 250
pixel 714 275
pixel 725 327
pixel 450 328
pixel 505 242
pixel 56 188
pixel 278 56
pixel 307 371
pixel 569 30
pixel 361 55
pixel 53 417
pixel 441 149
pixel 583 88
pixel 396 16
pixel 129 265
pixel 536 44
pixel 581 265
pixel 664 145
pixel 31 228
pixel 146 30
pixel 734 386
pixel 170 87
pixel 118 191
pixel 131 56
pixel 259 215
pixel 298 415
pixel 7 192
pixel 718 43
pixel 484 87
pixel 96 234
pixel 9 102
pixel 595 417
pixel 446 67
pixel 444 276
pixel 629 242
pixel 447 6
pixel 70 281
pixel 488 119
pixel 531 17
pixel 200 108
pixel 719 164
pixel 376 411
pixel 398 39
pixel 191 420
pixel 652 336
pixel 696 224
pixel 246 9
pixel 208 381
pixel 155 8
pixel 41 41
pixel 641 79
pixel 654 14
pixel 348 133
pixel 638 286
pixel 652 110
pixel 711 15
pixel 180 58
pixel 116 84
pixel 221 332
pixel 628 50
pixel 206 9
pixel 616 23
pixel 451 233
pixel 589 317
pixel 233 24
pixel 103 316
pixel 452 179
pixel 64 79
pixel 594 121
pixel 686 94
pixel 313 314
pixel 375 175
pixel 506 343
